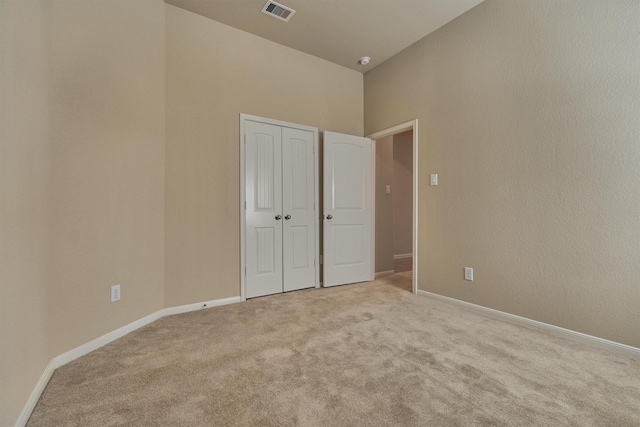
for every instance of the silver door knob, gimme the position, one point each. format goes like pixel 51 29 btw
pixel 329 216
pixel 278 217
pixel 287 217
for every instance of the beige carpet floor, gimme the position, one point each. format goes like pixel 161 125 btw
pixel 368 354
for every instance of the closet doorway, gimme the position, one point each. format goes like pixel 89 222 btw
pixel 279 199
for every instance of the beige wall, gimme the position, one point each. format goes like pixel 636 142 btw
pixel 403 193
pixel 384 204
pixel 24 203
pixel 107 172
pixel 83 148
pixel 214 73
pixel 529 113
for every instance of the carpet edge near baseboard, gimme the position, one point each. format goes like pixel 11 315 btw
pixel 613 346
pixel 92 345
pixel 384 273
pixel 103 340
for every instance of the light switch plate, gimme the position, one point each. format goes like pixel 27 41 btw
pixel 434 179
pixel 468 273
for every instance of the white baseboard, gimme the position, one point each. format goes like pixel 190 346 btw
pixel 613 346
pixel 95 344
pixel 35 395
pixel 402 256
pixel 198 306
pixel 384 273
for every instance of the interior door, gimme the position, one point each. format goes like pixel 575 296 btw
pixel 348 176
pixel 299 221
pixel 263 183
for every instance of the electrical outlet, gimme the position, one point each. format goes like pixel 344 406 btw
pixel 115 293
pixel 468 273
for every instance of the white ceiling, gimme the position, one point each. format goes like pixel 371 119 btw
pixel 340 31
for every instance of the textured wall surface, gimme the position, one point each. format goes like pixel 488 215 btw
pixel 82 177
pixel 529 113
pixel 384 204
pixel 403 193
pixel 24 207
pixel 107 173
pixel 214 73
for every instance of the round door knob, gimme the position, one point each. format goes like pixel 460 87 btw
pixel 278 217
pixel 287 217
pixel 329 216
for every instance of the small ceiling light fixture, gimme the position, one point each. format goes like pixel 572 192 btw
pixel 364 60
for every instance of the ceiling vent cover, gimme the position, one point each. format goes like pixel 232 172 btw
pixel 277 10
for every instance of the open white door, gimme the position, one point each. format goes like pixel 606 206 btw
pixel 348 210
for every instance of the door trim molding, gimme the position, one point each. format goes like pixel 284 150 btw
pixel 243 220
pixel 413 126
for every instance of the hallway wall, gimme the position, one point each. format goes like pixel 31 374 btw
pixel 403 193
pixel 384 205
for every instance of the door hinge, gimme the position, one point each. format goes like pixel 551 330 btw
pixel 245 205
pixel 245 270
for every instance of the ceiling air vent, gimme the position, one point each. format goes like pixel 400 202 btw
pixel 277 10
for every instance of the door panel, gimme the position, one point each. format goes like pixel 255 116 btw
pixel 263 181
pixel 348 171
pixel 299 238
pixel 348 246
pixel 298 189
pixel 265 248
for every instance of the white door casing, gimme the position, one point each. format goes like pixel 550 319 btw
pixel 348 209
pixel 263 192
pixel 412 126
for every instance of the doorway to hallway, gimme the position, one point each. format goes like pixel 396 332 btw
pixel 395 202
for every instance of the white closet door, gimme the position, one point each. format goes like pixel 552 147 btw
pixel 298 189
pixel 348 174
pixel 263 182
